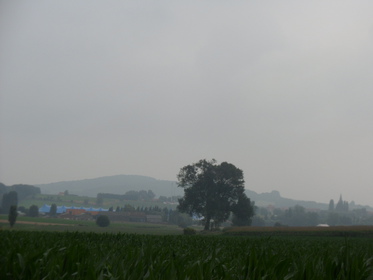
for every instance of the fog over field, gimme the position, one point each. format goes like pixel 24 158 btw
pixel 281 89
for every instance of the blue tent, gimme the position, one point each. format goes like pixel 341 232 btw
pixel 61 209
pixel 45 208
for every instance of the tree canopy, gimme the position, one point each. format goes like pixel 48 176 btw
pixel 8 200
pixel 213 191
pixel 53 210
pixel 33 211
pixel 103 221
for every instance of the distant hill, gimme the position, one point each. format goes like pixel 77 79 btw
pixel 120 184
pixel 23 191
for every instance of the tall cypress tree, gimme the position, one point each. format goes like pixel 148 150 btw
pixel 12 215
pixel 53 210
pixel 331 205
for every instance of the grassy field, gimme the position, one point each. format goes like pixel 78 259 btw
pixel 61 225
pixel 58 224
pixel 82 255
pixel 337 231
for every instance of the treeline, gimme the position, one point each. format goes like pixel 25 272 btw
pixel 339 215
pixel 170 199
pixel 130 195
pixel 32 211
pixel 12 194
pixel 168 215
pixel 341 206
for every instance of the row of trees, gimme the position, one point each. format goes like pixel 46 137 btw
pixel 130 208
pixel 33 210
pixel 299 216
pixel 168 215
pixel 129 195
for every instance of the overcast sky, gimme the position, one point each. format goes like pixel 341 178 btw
pixel 281 89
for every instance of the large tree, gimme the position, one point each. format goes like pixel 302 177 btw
pixel 243 211
pixel 33 211
pixel 212 191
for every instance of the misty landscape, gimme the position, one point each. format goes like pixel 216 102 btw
pixel 186 140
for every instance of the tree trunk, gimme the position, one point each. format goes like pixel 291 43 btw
pixel 207 223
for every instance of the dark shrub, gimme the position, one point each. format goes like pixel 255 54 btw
pixel 103 221
pixel 189 231
pixel 33 211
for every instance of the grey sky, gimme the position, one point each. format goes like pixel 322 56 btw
pixel 281 89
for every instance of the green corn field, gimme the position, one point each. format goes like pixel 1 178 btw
pixel 82 255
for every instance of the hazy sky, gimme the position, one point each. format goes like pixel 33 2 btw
pixel 281 89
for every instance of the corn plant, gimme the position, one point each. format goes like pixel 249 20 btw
pixel 74 255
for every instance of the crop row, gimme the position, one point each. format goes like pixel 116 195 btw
pixel 73 255
pixel 338 231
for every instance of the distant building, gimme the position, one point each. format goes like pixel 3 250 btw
pixel 87 216
pixel 157 219
pixel 126 216
pixel 72 209
pixel 82 213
